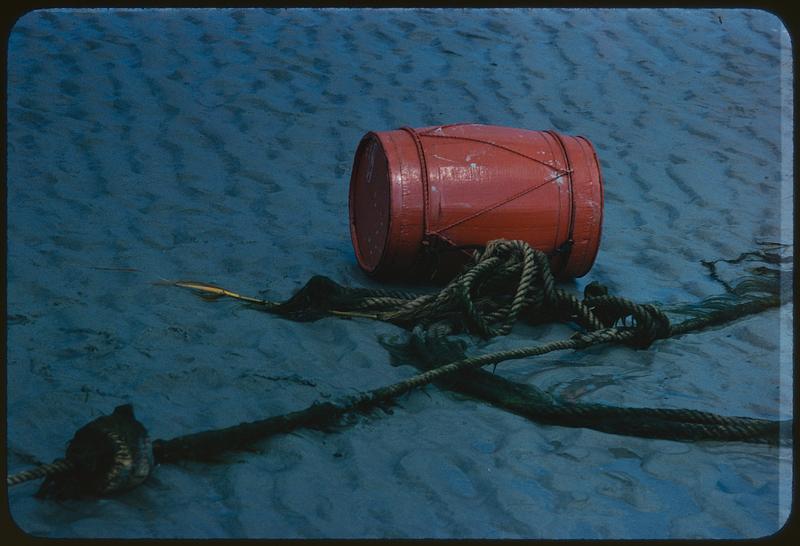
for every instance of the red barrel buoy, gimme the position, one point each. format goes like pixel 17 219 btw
pixel 422 199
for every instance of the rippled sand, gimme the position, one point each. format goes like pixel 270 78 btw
pixel 217 145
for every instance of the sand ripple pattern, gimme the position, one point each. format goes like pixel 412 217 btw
pixel 217 145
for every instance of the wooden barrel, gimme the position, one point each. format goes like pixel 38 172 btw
pixel 422 199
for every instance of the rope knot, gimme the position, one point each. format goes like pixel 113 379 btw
pixel 651 324
pixel 646 322
pixel 112 453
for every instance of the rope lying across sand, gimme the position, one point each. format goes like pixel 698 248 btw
pixel 508 281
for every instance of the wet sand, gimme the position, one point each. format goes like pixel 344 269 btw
pixel 217 145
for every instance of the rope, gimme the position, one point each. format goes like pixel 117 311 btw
pixel 489 309
pixel 430 347
pixel 56 467
pixel 508 281
pixel 687 425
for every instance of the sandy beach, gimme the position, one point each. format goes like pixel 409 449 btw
pixel 216 145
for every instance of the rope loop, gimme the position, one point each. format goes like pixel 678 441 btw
pixel 508 278
pixel 648 322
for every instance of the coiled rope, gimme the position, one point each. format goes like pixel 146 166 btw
pixel 510 280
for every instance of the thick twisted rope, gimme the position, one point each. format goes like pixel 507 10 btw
pixel 479 301
pixel 578 342
pixel 431 346
pixel 490 309
pixel 687 425
pixel 480 296
pixel 42 471
pixel 510 279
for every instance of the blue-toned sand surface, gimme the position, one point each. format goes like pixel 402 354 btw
pixel 217 145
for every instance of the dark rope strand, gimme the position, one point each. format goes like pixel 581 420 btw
pixel 56 467
pixel 509 280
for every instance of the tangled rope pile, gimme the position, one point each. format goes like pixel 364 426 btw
pixel 511 281
pixel 508 281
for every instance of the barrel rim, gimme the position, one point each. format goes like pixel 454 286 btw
pixel 372 137
pixel 601 201
pixel 583 195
